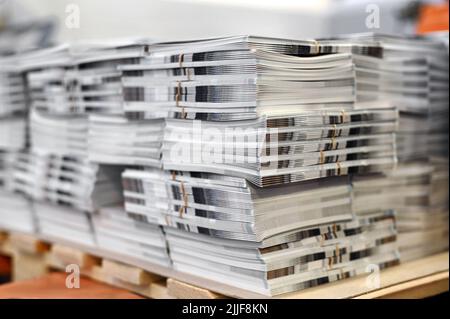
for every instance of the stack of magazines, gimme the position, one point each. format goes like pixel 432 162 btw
pixel 282 149
pixel 419 195
pixel 67 187
pixel 15 207
pixel 13 105
pixel 15 210
pixel 246 118
pixel 266 164
pixel 411 74
pixel 113 138
pixel 267 240
pixel 260 108
pixel 116 232
pixel 98 87
pixel 291 261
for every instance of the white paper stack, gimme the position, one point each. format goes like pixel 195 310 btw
pixel 236 151
pixel 411 74
pixel 282 149
pixel 236 78
pixel 59 134
pixel 117 233
pixel 15 208
pixel 419 195
pixel 246 118
pixel 98 80
pixel 13 105
pixel 267 240
pixel 66 187
pixel 16 213
pixel 60 222
pixel 113 139
pixel 51 80
pixel 273 88
pixel 290 261
pixel 229 207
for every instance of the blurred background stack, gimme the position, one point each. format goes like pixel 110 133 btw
pixel 15 210
pixel 412 75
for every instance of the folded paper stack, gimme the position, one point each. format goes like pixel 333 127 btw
pixel 412 75
pixel 15 207
pixel 117 233
pixel 271 165
pixel 247 118
pixel 67 188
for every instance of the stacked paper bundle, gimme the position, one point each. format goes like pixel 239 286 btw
pixel 264 164
pixel 98 80
pixel 246 118
pixel 292 261
pixel 13 105
pixel 271 117
pixel 67 188
pixel 15 211
pixel 118 233
pixel 283 149
pixel 51 80
pixel 267 240
pixel 113 139
pixel 411 74
pixel 422 209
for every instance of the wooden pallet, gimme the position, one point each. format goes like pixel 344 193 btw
pixel 33 256
pixel 53 286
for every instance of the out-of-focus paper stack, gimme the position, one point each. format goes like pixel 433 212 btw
pixel 15 208
pixel 118 233
pixel 67 188
pixel 417 193
pixel 411 74
pixel 116 140
pixel 13 105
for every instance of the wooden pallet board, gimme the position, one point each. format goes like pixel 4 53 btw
pixel 420 278
pixel 5 244
pixel 417 288
pixel 390 277
pixel 53 286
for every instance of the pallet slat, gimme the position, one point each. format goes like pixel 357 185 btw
pixel 354 287
pixel 34 256
pixel 182 290
pixel 129 274
pixel 62 256
pixel 417 288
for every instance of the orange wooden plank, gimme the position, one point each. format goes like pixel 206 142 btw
pixel 5 266
pixel 53 286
